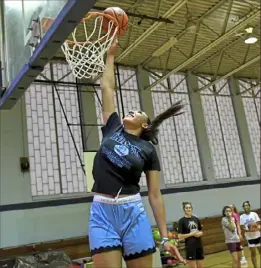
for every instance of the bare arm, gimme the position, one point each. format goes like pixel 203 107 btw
pixel 239 229
pixel 108 84
pixel 244 230
pixel 257 219
pixel 158 208
pixel 199 233
pixel 184 236
pixel 229 223
pixel 156 201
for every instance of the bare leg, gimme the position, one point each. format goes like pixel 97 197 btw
pixel 253 256
pixel 192 264
pixel 235 260
pixel 144 262
pixel 243 258
pixel 239 257
pixel 110 259
pixel 259 249
pixel 242 253
pixel 200 263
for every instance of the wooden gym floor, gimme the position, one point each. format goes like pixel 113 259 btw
pixel 223 259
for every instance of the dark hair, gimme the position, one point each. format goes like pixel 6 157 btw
pixel 186 203
pixel 151 133
pixel 246 202
pixel 224 209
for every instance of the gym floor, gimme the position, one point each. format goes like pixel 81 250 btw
pixel 223 259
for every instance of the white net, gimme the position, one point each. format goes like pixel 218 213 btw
pixel 86 58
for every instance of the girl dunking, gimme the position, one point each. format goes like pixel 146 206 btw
pixel 236 216
pixel 118 224
pixel 190 229
pixel 231 235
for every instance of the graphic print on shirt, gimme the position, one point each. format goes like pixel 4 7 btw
pixel 121 150
pixel 192 226
pixel 249 220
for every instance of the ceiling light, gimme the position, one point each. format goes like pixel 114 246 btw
pixel 250 37
pixel 251 40
pixel 165 47
pixel 249 30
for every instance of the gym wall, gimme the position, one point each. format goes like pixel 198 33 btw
pixel 50 202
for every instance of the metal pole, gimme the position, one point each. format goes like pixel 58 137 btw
pixel 221 130
pixel 3 49
pixel 176 134
pixel 81 119
pixel 64 83
pixel 1 79
pixel 70 131
pixel 120 90
pixel 56 132
pixel 87 125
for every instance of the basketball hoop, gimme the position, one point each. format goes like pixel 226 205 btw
pixel 85 51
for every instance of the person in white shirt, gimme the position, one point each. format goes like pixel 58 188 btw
pixel 250 224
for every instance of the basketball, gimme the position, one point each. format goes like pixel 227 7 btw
pixel 120 16
pixel 252 226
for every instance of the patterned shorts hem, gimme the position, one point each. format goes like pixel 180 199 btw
pixel 137 255
pixel 105 249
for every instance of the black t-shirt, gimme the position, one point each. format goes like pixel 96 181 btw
pixel 189 225
pixel 121 160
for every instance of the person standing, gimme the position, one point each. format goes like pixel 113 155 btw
pixel 189 228
pixel 250 226
pixel 236 216
pixel 231 235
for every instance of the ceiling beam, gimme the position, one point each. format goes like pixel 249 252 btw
pixel 248 63
pixel 250 17
pixel 199 21
pixel 215 54
pixel 224 29
pixel 131 22
pixel 151 29
pixel 250 89
pixel 257 92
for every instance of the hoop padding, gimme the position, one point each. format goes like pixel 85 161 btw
pixel 86 58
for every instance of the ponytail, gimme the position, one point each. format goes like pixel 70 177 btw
pixel 151 133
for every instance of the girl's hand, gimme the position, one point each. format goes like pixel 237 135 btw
pixel 174 251
pixel 198 234
pixel 113 49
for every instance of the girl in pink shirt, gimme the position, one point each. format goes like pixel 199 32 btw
pixel 236 216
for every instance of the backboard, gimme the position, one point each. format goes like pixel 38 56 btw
pixel 24 50
pixel 18 18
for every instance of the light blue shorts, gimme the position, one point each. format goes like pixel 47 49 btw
pixel 122 225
